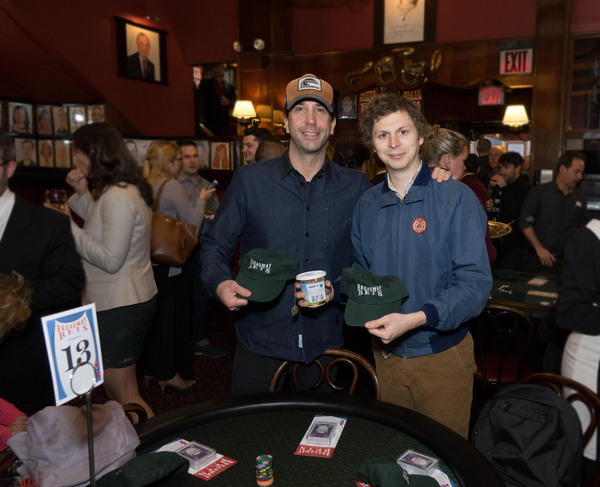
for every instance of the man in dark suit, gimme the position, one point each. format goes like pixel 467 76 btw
pixel 37 243
pixel 138 64
pixel 217 98
pixel 27 150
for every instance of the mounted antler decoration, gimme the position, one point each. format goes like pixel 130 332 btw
pixel 412 72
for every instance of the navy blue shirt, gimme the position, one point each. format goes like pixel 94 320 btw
pixel 269 205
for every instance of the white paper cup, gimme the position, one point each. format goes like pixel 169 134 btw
pixel 313 285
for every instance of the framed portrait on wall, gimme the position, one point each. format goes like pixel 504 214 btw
pixel 44 120
pixel 62 153
pixel 347 106
pixel 76 117
pixel 141 52
pixel 25 152
pixel 220 153
pixel 45 152
pixel 138 148
pixel 401 21
pixel 20 120
pixel 60 121
pixel 203 147
pixel 95 113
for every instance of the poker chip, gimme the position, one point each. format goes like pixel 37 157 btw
pixel 264 470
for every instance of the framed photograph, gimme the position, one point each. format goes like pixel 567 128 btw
pixel 25 152
pixel 347 106
pixel 203 153
pixel 76 117
pixel 402 21
pixel 141 52
pixel 364 97
pixel 60 121
pixel 138 148
pixel 220 153
pixel 44 120
pixel 20 119
pixel 62 153
pixel 95 113
pixel 45 152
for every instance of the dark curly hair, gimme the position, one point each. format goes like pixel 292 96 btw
pixel 386 104
pixel 111 162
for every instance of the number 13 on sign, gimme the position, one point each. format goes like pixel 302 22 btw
pixel 72 339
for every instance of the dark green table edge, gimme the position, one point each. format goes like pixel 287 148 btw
pixel 470 468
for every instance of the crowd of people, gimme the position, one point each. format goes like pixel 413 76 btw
pixel 422 218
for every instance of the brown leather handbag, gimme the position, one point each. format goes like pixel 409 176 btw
pixel 172 241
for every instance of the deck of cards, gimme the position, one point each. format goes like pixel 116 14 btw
pixel 321 433
pixel 417 463
pixel 197 454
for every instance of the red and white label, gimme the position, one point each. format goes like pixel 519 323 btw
pixel 215 468
pixel 419 225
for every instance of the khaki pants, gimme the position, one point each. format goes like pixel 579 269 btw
pixel 439 385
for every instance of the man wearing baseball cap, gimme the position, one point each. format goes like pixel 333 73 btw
pixel 299 204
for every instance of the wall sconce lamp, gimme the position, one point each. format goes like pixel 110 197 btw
pixel 515 116
pixel 245 113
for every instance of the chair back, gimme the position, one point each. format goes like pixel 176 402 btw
pixel 573 392
pixel 503 337
pixel 341 356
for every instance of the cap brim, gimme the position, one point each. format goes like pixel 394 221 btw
pixel 262 291
pixel 309 96
pixel 358 314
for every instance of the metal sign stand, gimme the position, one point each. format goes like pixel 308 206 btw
pixel 83 381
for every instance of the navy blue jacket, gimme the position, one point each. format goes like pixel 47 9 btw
pixel 434 241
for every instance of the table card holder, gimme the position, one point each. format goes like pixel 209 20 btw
pixel 83 381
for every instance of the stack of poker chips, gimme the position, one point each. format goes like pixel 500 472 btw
pixel 264 470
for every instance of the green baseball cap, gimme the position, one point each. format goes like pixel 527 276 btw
pixel 369 296
pixel 265 272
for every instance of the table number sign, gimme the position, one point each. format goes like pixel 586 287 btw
pixel 72 339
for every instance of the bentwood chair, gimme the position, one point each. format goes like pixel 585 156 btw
pixel 574 392
pixel 341 357
pixel 503 337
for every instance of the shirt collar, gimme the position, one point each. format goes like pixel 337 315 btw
pixel 285 166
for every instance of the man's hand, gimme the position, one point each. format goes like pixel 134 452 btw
pixel 489 204
pixel 300 294
pixel 390 327
pixel 440 174
pixel 499 180
pixel 546 258
pixel 207 194
pixel 78 181
pixel 227 290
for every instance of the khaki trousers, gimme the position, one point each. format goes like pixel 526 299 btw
pixel 439 385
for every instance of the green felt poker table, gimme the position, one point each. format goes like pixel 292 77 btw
pixel 246 426
pixel 534 294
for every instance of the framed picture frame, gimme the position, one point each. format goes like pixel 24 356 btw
pixel 95 114
pixel 20 119
pixel 43 116
pixel 138 148
pixel 77 117
pixel 203 147
pixel 62 153
pixel 220 155
pixel 403 21
pixel 25 152
pixel 60 120
pixel 347 106
pixel 45 155
pixel 141 52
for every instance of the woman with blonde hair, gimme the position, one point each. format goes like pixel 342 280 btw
pixel 168 350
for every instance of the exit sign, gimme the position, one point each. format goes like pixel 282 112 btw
pixel 491 95
pixel 516 57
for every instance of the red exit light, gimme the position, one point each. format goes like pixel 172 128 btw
pixel 491 96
